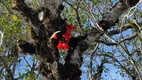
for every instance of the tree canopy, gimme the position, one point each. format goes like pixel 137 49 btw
pixel 70 39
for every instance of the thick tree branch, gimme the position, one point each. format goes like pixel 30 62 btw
pixel 113 44
pixel 43 30
pixel 94 34
pixel 117 31
pixel 32 15
pixel 108 20
pixel 25 47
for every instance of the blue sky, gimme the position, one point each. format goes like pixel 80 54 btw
pixel 112 70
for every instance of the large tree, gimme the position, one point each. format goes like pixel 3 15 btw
pixel 59 33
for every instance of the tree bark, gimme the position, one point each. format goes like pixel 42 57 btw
pixel 41 31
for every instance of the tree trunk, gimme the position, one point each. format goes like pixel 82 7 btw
pixel 42 45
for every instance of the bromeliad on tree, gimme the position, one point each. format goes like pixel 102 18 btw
pixel 63 45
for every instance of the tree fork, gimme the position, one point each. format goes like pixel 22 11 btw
pixel 54 23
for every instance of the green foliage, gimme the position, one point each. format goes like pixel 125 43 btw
pixel 14 27
pixel 33 3
pixel 95 2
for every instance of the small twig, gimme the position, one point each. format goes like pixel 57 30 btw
pixel 129 38
pixel 90 12
pixel 130 59
pixel 8 71
pixel 14 67
pixel 129 14
pixel 77 15
pixel 76 10
pixel 27 62
pixel 91 63
pixel 1 37
pixel 127 71
pixel 113 43
pixel 106 43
